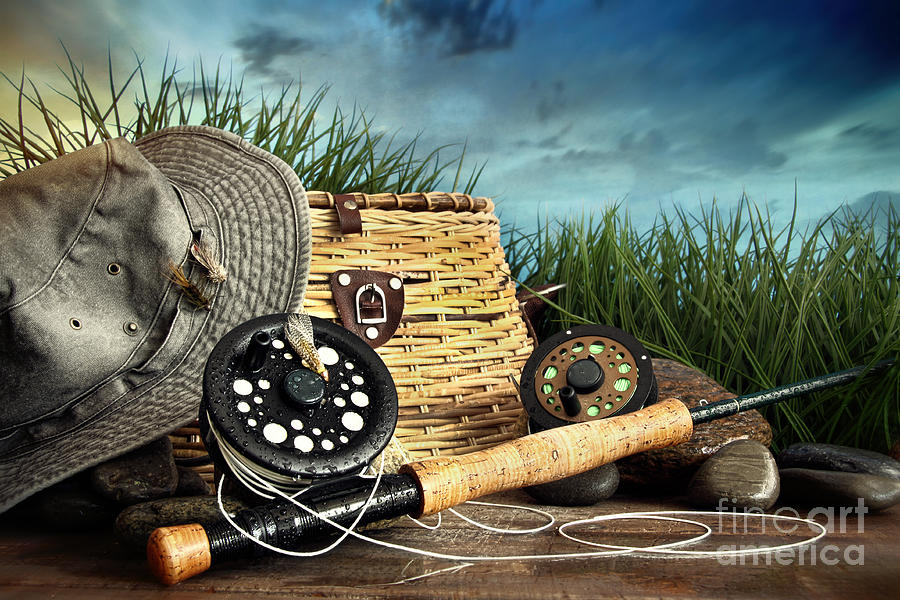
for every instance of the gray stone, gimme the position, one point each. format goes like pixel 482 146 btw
pixel 583 489
pixel 742 474
pixel 140 475
pixel 71 505
pixel 809 487
pixel 670 469
pixel 135 524
pixel 190 483
pixel 74 510
pixel 828 457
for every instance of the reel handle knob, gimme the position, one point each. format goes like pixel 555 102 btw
pixel 569 400
pixel 255 355
pixel 178 553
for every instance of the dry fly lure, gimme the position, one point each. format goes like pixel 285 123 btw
pixel 299 333
pixel 204 255
pixel 194 294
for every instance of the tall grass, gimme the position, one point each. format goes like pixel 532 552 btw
pixel 752 306
pixel 340 152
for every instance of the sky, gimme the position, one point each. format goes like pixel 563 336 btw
pixel 573 106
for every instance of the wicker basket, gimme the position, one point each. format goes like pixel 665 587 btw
pixel 461 337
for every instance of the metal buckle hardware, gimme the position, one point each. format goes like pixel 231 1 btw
pixel 375 289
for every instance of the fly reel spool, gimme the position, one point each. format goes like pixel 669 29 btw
pixel 265 415
pixel 586 373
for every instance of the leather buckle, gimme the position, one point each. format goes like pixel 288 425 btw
pixel 370 303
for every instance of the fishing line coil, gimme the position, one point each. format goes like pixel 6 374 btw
pixel 586 373
pixel 265 415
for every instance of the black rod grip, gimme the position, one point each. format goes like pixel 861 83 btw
pixel 288 526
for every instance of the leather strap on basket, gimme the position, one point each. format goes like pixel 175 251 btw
pixel 370 303
pixel 348 213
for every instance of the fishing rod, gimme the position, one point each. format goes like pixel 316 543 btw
pixel 422 487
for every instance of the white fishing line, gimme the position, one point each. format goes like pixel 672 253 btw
pixel 347 531
pixel 660 514
pixel 424 525
pixel 248 472
pixel 550 518
pixel 350 531
pixel 257 480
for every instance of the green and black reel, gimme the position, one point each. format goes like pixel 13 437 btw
pixel 586 373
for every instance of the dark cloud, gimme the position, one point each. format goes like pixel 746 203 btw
pixel 830 44
pixel 262 45
pixel 875 209
pixel 551 142
pixel 880 201
pixel 744 150
pixel 866 29
pixel 35 31
pixel 555 140
pixel 582 156
pixel 552 101
pixel 466 26
pixel 652 143
pixel 871 135
pixel 799 63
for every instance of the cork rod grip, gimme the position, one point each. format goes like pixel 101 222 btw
pixel 548 455
pixel 178 553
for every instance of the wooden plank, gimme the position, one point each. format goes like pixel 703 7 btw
pixel 77 565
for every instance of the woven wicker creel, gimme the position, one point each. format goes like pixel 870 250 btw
pixel 461 338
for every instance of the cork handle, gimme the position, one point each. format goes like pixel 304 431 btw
pixel 178 553
pixel 548 455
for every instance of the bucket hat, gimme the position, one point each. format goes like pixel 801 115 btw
pixel 100 351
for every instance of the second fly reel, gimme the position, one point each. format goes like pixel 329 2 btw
pixel 586 373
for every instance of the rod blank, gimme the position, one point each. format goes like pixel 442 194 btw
pixel 731 406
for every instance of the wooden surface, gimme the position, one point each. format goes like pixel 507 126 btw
pixel 42 565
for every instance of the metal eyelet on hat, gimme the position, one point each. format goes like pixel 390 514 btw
pixel 113 268
pixel 75 323
pixel 131 328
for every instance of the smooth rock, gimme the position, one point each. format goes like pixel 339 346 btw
pixel 143 474
pixel 71 505
pixel 810 487
pixel 742 474
pixel 74 510
pixel 670 469
pixel 190 483
pixel 829 457
pixel 135 524
pixel 583 489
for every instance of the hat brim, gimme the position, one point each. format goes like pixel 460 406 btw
pixel 255 207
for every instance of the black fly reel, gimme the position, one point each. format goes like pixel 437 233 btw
pixel 265 415
pixel 586 373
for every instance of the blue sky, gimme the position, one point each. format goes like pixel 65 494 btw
pixel 573 105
